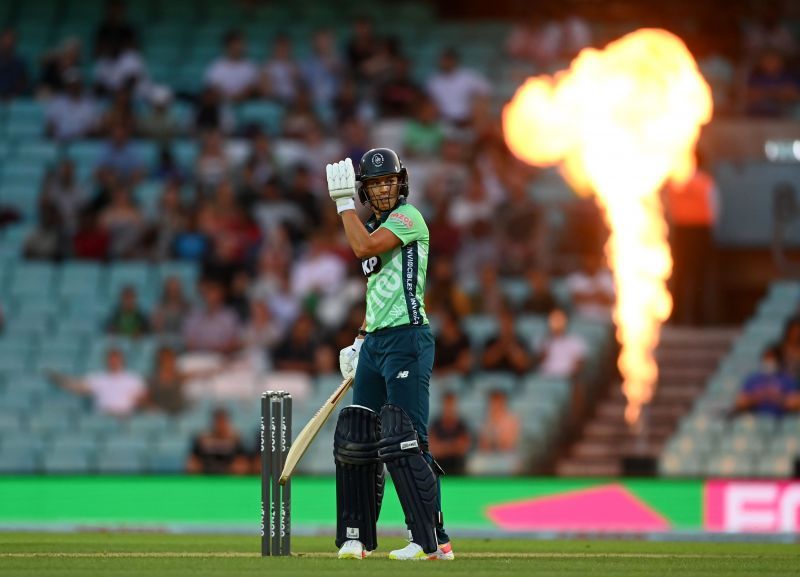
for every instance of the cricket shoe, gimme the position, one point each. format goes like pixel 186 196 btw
pixel 413 552
pixel 353 549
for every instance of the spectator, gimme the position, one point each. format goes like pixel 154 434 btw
pixel 561 354
pixel 448 174
pixel 238 299
pixel 59 65
pixel 453 352
pixel 323 69
pixel 13 70
pixel 478 245
pixel 261 334
pixel 73 114
pixel 212 327
pixel 500 432
pixel 127 319
pixel 115 391
pixel 301 193
pixel 212 113
pixel 114 33
pixel 506 351
pixel 769 391
pixel 399 95
pixel 281 73
pixel 218 451
pixel 273 210
pixel 592 289
pixel 119 112
pixel 212 166
pixel 233 232
pixel 91 241
pixel 361 47
pixel 160 121
pixel 262 161
pixel 349 105
pixel 232 73
pixel 300 117
pixel 165 386
pixel 45 241
pixel 169 314
pixel 120 159
pixel 540 299
pixel 170 220
pixel 453 88
pixel 355 138
pixel 443 292
pixel 191 243
pixel 124 223
pixel 473 206
pixel 319 271
pixel 297 350
pixel 66 196
pixel 772 89
pixel 488 298
pixel 423 134
pixel 522 233
pixel 445 237
pixel 449 437
pixel 121 69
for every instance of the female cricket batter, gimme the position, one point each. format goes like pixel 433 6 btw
pixel 392 360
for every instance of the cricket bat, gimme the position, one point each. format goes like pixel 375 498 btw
pixel 310 431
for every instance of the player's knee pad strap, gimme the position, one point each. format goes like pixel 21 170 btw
pixel 413 477
pixel 359 476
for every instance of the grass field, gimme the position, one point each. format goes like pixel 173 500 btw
pixel 136 554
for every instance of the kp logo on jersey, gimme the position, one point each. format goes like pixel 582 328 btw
pixel 371 265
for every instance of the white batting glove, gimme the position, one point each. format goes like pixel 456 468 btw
pixel 348 359
pixel 342 184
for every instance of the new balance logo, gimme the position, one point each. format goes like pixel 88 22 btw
pixel 352 532
pixel 402 375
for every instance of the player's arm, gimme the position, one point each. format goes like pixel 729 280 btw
pixel 363 243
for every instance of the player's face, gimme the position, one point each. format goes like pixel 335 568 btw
pixel 383 191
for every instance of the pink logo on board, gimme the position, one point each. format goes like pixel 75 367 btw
pixel 752 506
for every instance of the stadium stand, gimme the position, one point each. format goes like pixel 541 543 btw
pixel 55 306
pixel 713 440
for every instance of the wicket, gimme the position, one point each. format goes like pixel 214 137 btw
pixel 276 415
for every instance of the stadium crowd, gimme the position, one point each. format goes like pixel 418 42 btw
pixel 279 289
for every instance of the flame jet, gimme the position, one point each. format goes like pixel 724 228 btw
pixel 619 124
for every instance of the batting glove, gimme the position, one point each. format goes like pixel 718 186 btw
pixel 342 184
pixel 348 359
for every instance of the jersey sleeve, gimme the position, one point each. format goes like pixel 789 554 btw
pixel 407 224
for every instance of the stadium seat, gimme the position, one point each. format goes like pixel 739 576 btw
pixel 80 278
pixel 267 115
pixel 15 460
pixel 73 461
pixel 121 275
pixel 479 329
pixel 108 461
pixel 98 424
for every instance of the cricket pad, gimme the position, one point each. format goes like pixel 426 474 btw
pixel 414 480
pixel 359 476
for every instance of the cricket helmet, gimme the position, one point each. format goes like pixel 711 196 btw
pixel 381 162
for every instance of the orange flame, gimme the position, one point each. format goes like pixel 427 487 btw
pixel 620 123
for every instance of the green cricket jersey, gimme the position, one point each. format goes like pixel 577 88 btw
pixel 396 279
